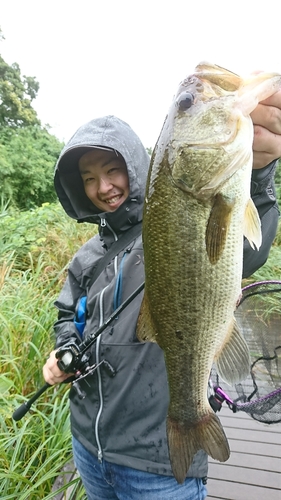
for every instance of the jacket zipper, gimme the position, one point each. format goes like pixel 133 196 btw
pixel 100 454
pixel 99 379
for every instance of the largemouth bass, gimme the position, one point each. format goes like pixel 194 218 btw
pixel 197 211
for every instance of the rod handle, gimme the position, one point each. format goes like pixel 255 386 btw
pixel 25 407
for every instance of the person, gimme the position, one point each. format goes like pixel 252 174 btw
pixel 119 426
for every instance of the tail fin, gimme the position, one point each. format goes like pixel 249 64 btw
pixel 185 440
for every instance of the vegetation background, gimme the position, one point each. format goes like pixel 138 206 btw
pixel 37 241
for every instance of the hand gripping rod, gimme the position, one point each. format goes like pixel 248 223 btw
pixel 68 355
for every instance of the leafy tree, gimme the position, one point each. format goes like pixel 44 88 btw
pixel 27 159
pixel 28 151
pixel 16 95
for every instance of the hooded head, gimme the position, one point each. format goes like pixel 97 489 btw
pixel 109 133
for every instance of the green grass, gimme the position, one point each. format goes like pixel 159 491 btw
pixel 271 270
pixel 35 249
pixel 33 450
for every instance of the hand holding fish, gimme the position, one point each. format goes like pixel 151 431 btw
pixel 267 131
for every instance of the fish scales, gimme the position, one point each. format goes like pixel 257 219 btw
pixel 196 213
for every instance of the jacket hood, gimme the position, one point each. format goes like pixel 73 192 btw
pixel 108 132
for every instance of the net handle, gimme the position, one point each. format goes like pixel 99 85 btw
pixel 254 289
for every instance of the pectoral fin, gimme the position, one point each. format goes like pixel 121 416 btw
pixel 252 225
pixel 233 359
pixel 217 227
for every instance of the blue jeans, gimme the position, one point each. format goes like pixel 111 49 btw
pixel 107 481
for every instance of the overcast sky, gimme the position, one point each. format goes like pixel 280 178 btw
pixel 127 57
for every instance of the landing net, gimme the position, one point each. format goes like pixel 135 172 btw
pixel 259 318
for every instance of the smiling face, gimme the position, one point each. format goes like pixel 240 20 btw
pixel 105 179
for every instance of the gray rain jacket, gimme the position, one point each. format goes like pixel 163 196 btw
pixel 123 418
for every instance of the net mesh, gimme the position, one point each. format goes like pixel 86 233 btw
pixel 259 318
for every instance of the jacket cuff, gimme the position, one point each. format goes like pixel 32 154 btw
pixel 263 177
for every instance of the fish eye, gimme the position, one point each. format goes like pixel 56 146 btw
pixel 185 101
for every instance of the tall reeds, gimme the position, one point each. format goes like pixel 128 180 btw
pixel 33 262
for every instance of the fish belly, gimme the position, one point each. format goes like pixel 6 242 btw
pixel 188 310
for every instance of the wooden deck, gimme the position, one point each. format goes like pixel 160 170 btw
pixel 253 471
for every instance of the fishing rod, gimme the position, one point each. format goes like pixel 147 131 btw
pixel 71 358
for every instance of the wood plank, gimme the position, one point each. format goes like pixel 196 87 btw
pixel 235 421
pixel 259 462
pixel 253 471
pixel 248 423
pixel 253 435
pixel 252 448
pixel 265 479
pixel 224 490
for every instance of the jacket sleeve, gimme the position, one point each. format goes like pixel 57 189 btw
pixel 64 328
pixel 264 196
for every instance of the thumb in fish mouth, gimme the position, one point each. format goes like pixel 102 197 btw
pixel 256 88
